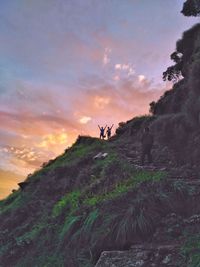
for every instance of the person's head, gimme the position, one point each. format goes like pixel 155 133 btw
pixel 101 127
pixel 146 129
pixel 108 128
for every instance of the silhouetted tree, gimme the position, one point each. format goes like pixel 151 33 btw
pixel 191 8
pixel 172 73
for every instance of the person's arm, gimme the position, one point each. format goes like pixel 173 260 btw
pixel 112 126
pixel 105 127
pixel 99 127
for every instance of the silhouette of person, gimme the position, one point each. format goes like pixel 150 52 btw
pixel 102 130
pixel 147 144
pixel 109 131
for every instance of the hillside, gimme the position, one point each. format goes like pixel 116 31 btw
pixel 76 206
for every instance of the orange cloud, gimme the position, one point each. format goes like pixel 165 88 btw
pixel 50 140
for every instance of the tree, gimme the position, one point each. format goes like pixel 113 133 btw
pixel 191 8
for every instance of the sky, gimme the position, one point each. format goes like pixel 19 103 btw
pixel 68 65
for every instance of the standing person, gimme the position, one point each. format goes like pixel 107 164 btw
pixel 147 144
pixel 109 131
pixel 102 130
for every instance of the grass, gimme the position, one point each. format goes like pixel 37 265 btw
pixel 129 219
pixel 69 222
pixel 191 251
pixel 13 202
pixel 75 154
pixel 70 199
pixel 125 186
pixel 31 235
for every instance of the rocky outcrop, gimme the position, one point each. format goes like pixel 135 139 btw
pixel 150 255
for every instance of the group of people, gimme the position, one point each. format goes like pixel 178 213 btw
pixel 105 133
pixel 147 141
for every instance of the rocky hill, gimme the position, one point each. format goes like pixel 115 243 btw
pixel 96 206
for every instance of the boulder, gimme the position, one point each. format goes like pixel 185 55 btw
pixel 142 256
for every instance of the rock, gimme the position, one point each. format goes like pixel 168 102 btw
pixel 142 256
pixel 23 185
pixel 195 219
pixel 100 155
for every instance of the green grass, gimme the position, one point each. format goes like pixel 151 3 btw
pixel 70 199
pixel 125 186
pixel 90 220
pixel 191 251
pixel 31 235
pixel 69 222
pixel 13 202
pixel 76 153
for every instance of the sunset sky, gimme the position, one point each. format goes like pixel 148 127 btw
pixel 68 65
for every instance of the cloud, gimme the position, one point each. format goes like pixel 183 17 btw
pixel 50 140
pixel 38 126
pixel 141 78
pixel 112 103
pixel 84 119
pixel 101 101
pixel 106 56
pixel 123 71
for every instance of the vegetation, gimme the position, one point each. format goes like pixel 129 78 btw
pixel 75 206
pixel 190 251
pixel 191 8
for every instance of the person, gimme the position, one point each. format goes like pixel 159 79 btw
pixel 147 144
pixel 102 130
pixel 109 131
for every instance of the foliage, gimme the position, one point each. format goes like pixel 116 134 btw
pixel 173 73
pixel 191 8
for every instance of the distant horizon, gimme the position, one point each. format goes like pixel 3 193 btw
pixel 68 66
